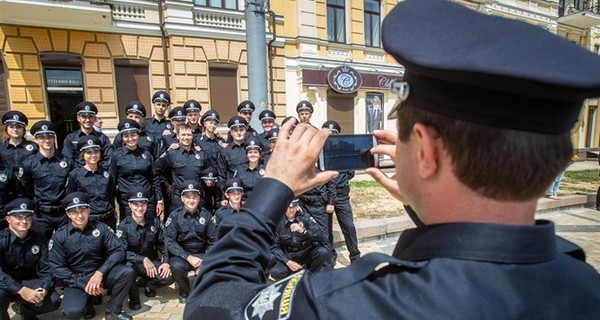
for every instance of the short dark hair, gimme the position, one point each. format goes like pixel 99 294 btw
pixel 183 126
pixel 500 164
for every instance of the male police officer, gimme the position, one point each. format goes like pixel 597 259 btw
pixel 25 276
pixel 88 258
pixel 468 97
pixel 192 115
pixel 209 142
pixel 233 192
pixel 305 110
pixel 267 121
pixel 235 153
pixel 159 125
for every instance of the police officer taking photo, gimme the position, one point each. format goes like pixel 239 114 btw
pixel 25 276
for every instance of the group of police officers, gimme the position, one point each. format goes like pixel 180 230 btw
pixel 114 195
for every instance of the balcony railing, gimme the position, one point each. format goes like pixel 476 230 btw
pixel 211 17
pixel 568 7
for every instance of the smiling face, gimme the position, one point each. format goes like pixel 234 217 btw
pixel 15 131
pixel 86 121
pixel 91 156
pixel 45 141
pixel 19 223
pixel 210 125
pixel 130 140
pixel 234 196
pixel 267 125
pixel 190 200
pixel 185 136
pixel 79 217
pixel 138 208
pixel 253 155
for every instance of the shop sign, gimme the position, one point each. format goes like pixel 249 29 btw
pixel 344 79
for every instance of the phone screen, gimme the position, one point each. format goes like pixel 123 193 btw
pixel 348 152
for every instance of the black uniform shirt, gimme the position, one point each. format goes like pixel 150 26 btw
pixel 229 159
pixel 445 271
pixel 285 239
pixel 76 254
pixel 8 188
pixel 156 127
pixel 179 165
pixel 142 241
pixel 135 169
pixel 212 148
pixel 99 185
pixel 249 177
pixel 46 178
pixel 145 142
pixel 222 213
pixel 71 152
pixel 189 233
pixel 13 155
pixel 23 259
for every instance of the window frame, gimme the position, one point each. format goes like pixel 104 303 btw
pixel 337 8
pixel 370 41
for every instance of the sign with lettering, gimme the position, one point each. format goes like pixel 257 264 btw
pixel 63 78
pixel 344 79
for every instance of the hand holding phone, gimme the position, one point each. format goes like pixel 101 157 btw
pixel 345 152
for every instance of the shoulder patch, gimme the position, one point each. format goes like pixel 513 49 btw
pixel 168 222
pixel 275 301
pixel 119 233
pixel 50 245
pixel 164 154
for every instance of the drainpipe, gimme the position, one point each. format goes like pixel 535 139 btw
pixel 164 39
pixel 270 57
pixel 257 60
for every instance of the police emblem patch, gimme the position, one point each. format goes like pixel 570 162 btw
pixel 149 138
pixel 261 172
pixel 96 233
pixel 197 156
pixel 35 249
pixel 63 164
pixel 29 147
pixel 106 174
pixel 275 301
pixel 144 155
pixel 119 233
pixel 168 222
pixel 153 228
pixel 3 177
pixel 168 126
pixel 50 243
pixel 202 220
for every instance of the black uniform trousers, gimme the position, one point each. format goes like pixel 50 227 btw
pixel 118 280
pixel 343 212
pixel 50 303
pixel 312 258
pixel 316 209
pixel 47 222
pixel 180 269
pixel 152 283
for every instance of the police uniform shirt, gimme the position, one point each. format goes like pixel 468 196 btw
pixel 23 259
pixel 212 148
pixel 179 165
pixel 13 155
pixel 145 142
pixel 287 242
pixel 263 138
pixel 46 178
pixel 8 188
pixel 76 254
pixel 155 127
pixel 339 186
pixel 71 152
pixel 249 177
pixel 99 185
pixel 222 213
pixel 229 159
pixel 188 233
pixel 135 168
pixel 142 241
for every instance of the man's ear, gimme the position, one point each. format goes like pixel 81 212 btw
pixel 428 152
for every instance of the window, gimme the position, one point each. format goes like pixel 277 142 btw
pixel 223 4
pixel 336 26
pixel 223 90
pixel 132 82
pixel 372 19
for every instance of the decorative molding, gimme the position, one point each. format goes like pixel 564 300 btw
pixel 337 53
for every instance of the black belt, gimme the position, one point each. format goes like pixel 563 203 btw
pixel 317 199
pixel 50 209
pixel 102 216
pixel 298 247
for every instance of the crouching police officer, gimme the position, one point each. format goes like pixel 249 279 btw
pixel 298 243
pixel 189 233
pixel 88 257
pixel 142 236
pixel 25 276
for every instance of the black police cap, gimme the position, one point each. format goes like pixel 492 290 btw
pixel 233 184
pixel 332 125
pixel 208 174
pixel 489 70
pixel 86 108
pixel 267 115
pixel 237 121
pixel 177 114
pixel 273 134
pixel 19 206
pixel 161 96
pixel 192 106
pixel 15 117
pixel 128 125
pixel 191 186
pixel 76 200
pixel 253 143
pixel 137 195
pixel 246 106
pixel 135 107
pixel 88 142
pixel 43 127
pixel 211 115
pixel 304 106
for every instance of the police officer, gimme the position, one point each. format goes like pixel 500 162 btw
pixel 177 116
pixel 235 153
pixel 460 112
pixel 209 141
pixel 88 257
pixel 159 125
pixel 25 276
pixel 188 235
pixel 245 110
pixel 233 192
pixel 8 190
pixel 192 115
pixel 134 167
pixel 94 181
pixel 339 202
pixel 178 165
pixel 142 236
pixel 86 117
pixel 304 109
pixel 212 194
pixel 253 170
pixel 44 178
pixel 267 121
pixel 17 148
pixel 271 138
pixel 298 244
pixel 136 111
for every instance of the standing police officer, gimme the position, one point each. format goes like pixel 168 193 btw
pixel 305 110
pixel 188 235
pixel 136 111
pixel 159 125
pixel 17 148
pixel 209 142
pixel 25 276
pixel 235 154
pixel 267 121
pixel 44 178
pixel 88 257
pixel 177 116
pixel 212 194
pixel 192 115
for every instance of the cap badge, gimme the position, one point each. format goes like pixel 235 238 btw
pixel 235 185
pixel 210 174
pixel 162 96
pixel 237 121
pixel 23 206
pixel 192 105
pixel 45 127
pixel 76 200
pixel 87 108
pixel 96 233
pixel 304 105
pixel 90 142
pixel 191 186
pixel 35 249
pixel 179 113
pixel 274 134
pixel 252 142
pixel 212 114
pixel 401 89
pixel 139 194
pixel 247 105
pixel 126 125
pixel 135 106
pixel 331 126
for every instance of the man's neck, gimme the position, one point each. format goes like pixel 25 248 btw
pixel 158 117
pixel 47 153
pixel 86 131
pixel 19 234
pixel 235 206
pixel 139 220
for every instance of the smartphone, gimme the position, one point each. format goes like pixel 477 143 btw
pixel 346 152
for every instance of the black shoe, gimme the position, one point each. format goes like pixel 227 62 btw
pixel 182 299
pixel 354 258
pixel 149 292
pixel 118 316
pixel 96 300
pixel 90 313
pixel 135 305
pixel 140 282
